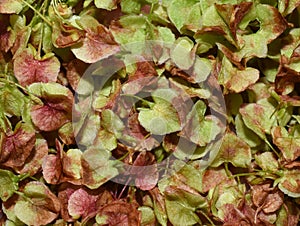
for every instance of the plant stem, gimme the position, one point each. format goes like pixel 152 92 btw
pixel 38 13
pixel 207 217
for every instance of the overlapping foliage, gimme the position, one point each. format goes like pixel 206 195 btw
pixel 57 161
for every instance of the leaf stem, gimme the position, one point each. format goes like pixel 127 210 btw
pixel 123 157
pixel 150 104
pixel 207 217
pixel 244 174
pixel 227 169
pixel 38 13
pixel 269 144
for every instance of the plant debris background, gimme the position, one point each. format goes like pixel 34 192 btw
pixel 248 48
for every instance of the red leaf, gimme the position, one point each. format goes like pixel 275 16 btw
pixel 75 70
pixel 97 44
pixel 120 213
pixel 34 162
pixel 7 36
pixel 82 204
pixel 52 166
pixel 57 107
pixel 64 193
pixel 47 118
pixel 146 172
pixel 17 147
pixel 29 70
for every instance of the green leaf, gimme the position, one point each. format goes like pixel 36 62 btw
pixel 131 6
pixel 245 133
pixel 148 216
pixel 112 123
pixel 180 7
pixel 259 117
pixel 181 206
pixel 213 21
pixel 201 129
pixel 11 6
pixel 289 183
pixel 238 155
pixel 12 100
pixel 88 132
pixel 202 69
pixel 267 161
pixel 97 168
pixel 160 119
pixel 182 55
pixel 159 206
pixel 105 140
pixel 237 80
pixel 40 207
pixel 106 4
pixel 286 8
pixel 202 93
pixel 268 30
pixel 292 41
pixel 133 32
pixel 193 20
pixel 49 89
pixel 8 184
